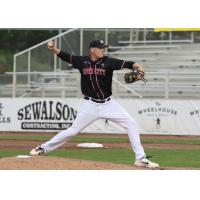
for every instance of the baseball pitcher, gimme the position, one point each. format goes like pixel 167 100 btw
pixel 96 71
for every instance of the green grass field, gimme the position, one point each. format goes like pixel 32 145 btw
pixel 165 157
pixel 110 139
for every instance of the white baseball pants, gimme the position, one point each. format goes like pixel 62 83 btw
pixel 90 112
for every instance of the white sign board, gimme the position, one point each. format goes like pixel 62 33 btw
pixel 173 117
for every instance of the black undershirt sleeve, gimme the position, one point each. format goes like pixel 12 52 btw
pixel 117 64
pixel 128 64
pixel 65 56
pixel 76 61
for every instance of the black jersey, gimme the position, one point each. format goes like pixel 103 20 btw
pixel 96 76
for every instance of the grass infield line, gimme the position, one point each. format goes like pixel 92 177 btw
pixel 165 157
pixel 107 139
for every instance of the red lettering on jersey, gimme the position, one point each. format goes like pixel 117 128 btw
pixel 100 72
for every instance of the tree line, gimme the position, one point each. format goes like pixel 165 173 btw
pixel 13 41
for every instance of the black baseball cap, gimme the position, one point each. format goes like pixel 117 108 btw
pixel 97 44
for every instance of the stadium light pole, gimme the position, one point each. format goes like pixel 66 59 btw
pixel 81 41
pixel 131 36
pixel 192 36
pixel 167 86
pixel 14 78
pixel 60 46
pixel 55 58
pixel 106 38
pixel 29 69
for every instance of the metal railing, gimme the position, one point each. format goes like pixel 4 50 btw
pixel 29 58
pixel 67 84
pixel 37 59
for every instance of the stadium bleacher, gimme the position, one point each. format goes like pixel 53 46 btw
pixel 172 68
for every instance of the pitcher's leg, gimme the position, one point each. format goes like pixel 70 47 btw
pixel 116 113
pixel 134 136
pixel 86 115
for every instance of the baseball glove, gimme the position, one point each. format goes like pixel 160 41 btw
pixel 134 75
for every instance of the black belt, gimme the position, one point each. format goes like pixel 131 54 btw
pixel 98 100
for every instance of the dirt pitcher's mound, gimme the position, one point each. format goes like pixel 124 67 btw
pixel 57 163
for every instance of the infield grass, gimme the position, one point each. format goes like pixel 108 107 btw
pixel 110 139
pixel 165 157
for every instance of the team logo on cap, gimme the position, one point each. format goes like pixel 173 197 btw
pixel 101 41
